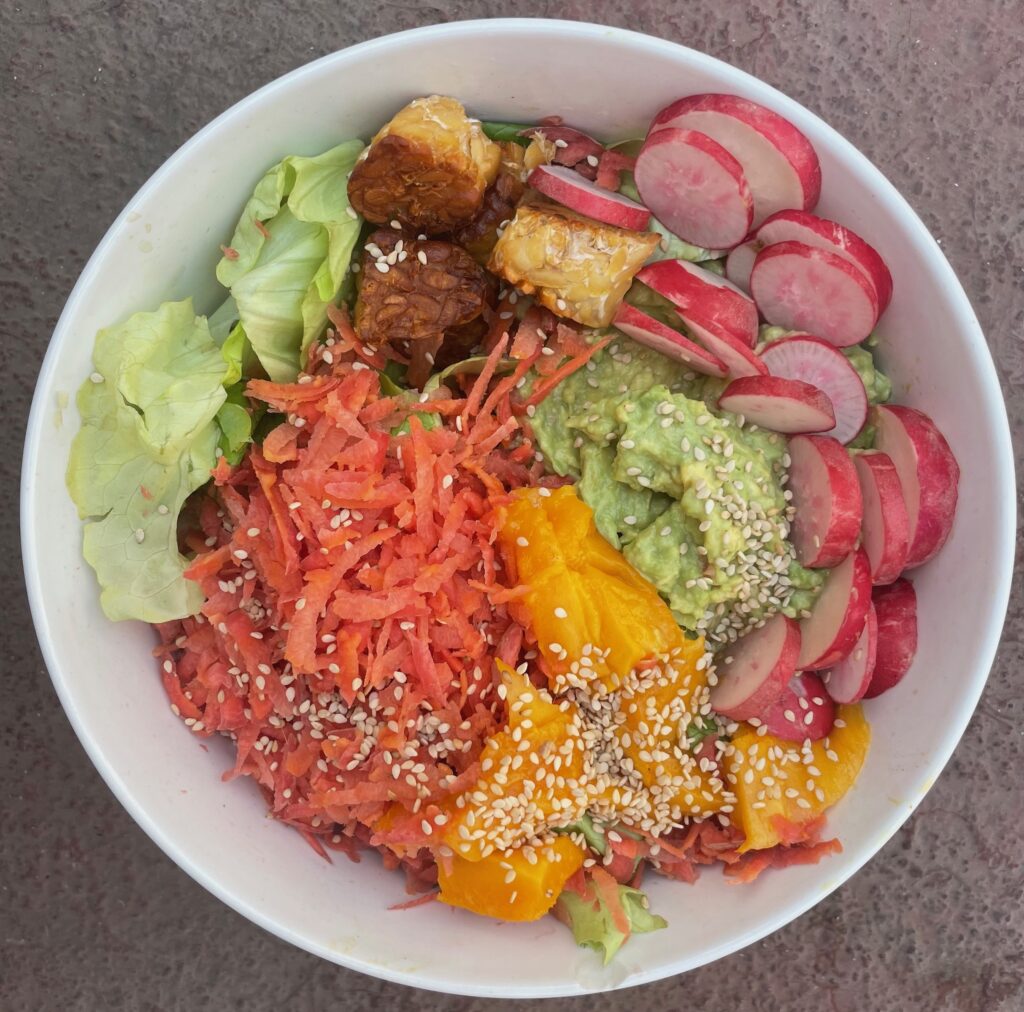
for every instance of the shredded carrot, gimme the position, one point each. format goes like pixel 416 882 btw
pixel 353 607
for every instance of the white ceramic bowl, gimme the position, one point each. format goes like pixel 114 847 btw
pixel 164 246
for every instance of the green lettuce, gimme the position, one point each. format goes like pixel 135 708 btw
pixel 289 256
pixel 593 923
pixel 148 440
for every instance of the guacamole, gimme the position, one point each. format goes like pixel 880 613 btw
pixel 695 501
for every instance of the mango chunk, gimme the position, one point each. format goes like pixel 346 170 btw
pixel 594 616
pixel 782 784
pixel 532 775
pixel 516 885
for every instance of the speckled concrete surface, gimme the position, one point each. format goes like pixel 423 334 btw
pixel 94 95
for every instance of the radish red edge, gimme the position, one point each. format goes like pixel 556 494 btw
pixel 756 669
pixel 849 680
pixel 654 334
pixel 838 614
pixel 896 608
pixel 826 499
pixel 779 404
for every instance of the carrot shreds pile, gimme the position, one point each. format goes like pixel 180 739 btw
pixel 355 602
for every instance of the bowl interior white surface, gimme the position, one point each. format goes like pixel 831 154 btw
pixel 165 245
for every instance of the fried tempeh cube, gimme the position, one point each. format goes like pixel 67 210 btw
pixel 576 267
pixel 427 168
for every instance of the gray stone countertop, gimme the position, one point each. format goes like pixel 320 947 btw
pixel 94 96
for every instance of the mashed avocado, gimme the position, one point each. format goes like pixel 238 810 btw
pixel 695 501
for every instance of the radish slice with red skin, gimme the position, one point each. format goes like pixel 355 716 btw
pixel 929 475
pixel 808 358
pixel 838 614
pixel 756 669
pixel 896 607
pixel 779 404
pixel 568 187
pixel 778 161
pixel 736 354
pixel 886 526
pixel 571 145
pixel 826 500
pixel 740 262
pixel 693 289
pixel 801 287
pixel 802 226
pixel 849 680
pixel 804 710
pixel 654 334
pixel 695 188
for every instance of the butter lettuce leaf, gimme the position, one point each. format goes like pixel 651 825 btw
pixel 148 440
pixel 289 256
pixel 593 923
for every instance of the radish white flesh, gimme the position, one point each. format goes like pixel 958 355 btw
pixel 740 262
pixel 779 404
pixel 896 607
pixel 655 334
pixel 736 354
pixel 807 358
pixel 929 475
pixel 826 501
pixel 695 188
pixel 886 527
pixel 692 289
pixel 568 187
pixel 756 669
pixel 778 161
pixel 804 288
pixel 805 227
pixel 804 710
pixel 848 681
pixel 838 614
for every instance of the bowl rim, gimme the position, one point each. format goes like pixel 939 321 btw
pixel 965 322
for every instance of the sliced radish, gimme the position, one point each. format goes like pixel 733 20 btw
pixel 826 500
pixel 896 606
pixel 568 187
pixel 837 616
pixel 808 228
pixel 655 334
pixel 803 288
pixel 571 145
pixel 779 404
pixel 740 262
pixel 778 161
pixel 804 710
pixel 693 289
pixel 695 188
pixel 756 669
pixel 848 681
pixel 886 527
pixel 929 475
pixel 736 354
pixel 807 358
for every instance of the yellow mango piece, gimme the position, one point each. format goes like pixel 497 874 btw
pixel 796 783
pixel 531 775
pixel 594 616
pixel 515 885
pixel 657 709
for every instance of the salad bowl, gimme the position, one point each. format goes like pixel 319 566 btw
pixel 164 246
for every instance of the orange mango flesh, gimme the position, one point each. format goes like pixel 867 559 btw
pixel 534 768
pixel 518 885
pixel 797 774
pixel 594 616
pixel 653 729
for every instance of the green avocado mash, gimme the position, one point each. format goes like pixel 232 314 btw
pixel 694 501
